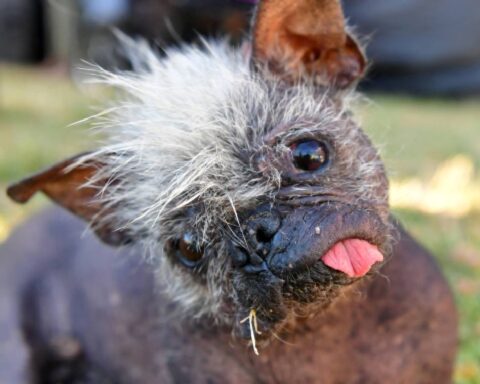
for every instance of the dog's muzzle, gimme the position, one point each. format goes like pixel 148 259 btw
pixel 286 241
pixel 282 245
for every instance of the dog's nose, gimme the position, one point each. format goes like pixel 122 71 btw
pixel 257 232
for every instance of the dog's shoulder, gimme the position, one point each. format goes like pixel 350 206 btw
pixel 415 311
pixel 66 300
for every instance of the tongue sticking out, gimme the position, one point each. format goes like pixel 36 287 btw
pixel 353 257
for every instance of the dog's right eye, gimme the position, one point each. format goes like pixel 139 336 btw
pixel 309 155
pixel 188 252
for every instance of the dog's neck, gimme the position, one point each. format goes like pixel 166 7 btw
pixel 298 329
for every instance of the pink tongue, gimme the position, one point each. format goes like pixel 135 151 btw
pixel 353 257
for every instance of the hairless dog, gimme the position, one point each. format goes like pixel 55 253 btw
pixel 245 229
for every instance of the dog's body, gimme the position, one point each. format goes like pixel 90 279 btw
pixel 262 208
pixel 80 312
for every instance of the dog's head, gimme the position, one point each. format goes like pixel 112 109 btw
pixel 241 171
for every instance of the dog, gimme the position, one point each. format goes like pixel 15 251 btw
pixel 245 227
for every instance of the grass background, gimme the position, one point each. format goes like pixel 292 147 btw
pixel 431 147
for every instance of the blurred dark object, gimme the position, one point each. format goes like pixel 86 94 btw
pixel 428 47
pixel 420 46
pixel 22 37
pixel 165 21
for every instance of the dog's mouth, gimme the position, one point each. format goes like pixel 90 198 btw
pixel 353 257
pixel 313 256
pixel 305 292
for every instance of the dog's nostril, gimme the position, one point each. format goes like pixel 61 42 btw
pixel 258 231
pixel 263 226
pixel 264 236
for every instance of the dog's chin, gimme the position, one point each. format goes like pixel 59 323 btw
pixel 301 298
pixel 266 324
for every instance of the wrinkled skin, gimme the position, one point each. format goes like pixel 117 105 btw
pixel 76 311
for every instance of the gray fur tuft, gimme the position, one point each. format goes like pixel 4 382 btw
pixel 186 130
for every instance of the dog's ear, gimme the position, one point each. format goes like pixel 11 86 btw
pixel 307 39
pixel 72 185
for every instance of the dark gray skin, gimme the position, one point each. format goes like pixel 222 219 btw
pixel 76 311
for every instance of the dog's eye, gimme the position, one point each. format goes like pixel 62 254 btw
pixel 188 252
pixel 309 155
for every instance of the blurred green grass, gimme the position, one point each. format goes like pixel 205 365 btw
pixel 415 136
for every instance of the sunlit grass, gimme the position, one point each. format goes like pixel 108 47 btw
pixel 432 152
pixel 431 148
pixel 452 190
pixel 36 110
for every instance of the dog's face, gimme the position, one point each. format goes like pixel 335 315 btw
pixel 247 180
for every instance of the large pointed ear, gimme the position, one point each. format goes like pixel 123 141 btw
pixel 70 184
pixel 307 39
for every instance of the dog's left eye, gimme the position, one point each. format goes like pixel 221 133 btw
pixel 309 155
pixel 188 252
